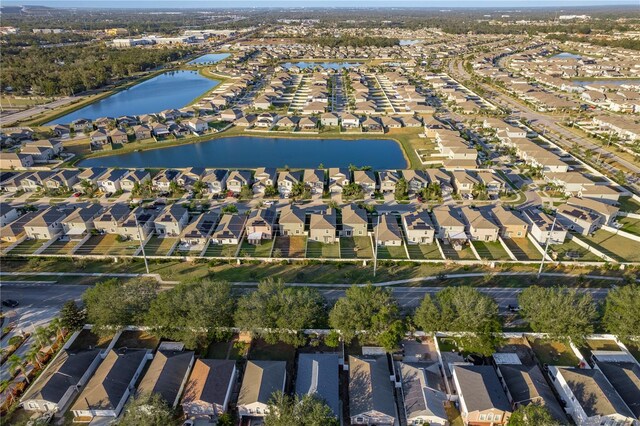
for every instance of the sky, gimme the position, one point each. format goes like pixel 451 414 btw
pixel 174 4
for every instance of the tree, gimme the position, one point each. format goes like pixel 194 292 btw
pixel 192 313
pixel 229 209
pixel 307 410
pixel 72 317
pixel 559 312
pixel 33 356
pixel 15 363
pixel 112 304
pixel 462 309
pixel 277 312
pixel 402 190
pixel 532 415
pixel 622 311
pixel 148 410
pixel 271 191
pixel 246 193
pixel 369 309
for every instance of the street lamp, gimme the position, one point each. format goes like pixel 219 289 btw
pixel 546 247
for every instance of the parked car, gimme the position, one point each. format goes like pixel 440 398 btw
pixel 10 303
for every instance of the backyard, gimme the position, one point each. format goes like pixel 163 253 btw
pixel 570 250
pixel 355 248
pixel 619 248
pixel 424 251
pixel 553 352
pixel 523 249
pixel 256 250
pixel 317 249
pixel 108 244
pixel 159 246
pixel 490 250
pixel 221 250
pixel 392 252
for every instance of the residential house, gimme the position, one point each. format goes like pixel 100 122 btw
pixel 230 115
pixel 109 221
pixel 46 225
pixel 198 125
pixel 464 182
pixel 229 229
pixel 196 234
pixel 350 121
pixel 322 227
pixel 36 181
pixel 167 375
pixel 109 182
pixel 338 179
pixel 371 398
pixel 142 132
pixel 264 177
pixel 171 220
pixel 386 231
pixel 287 180
pixel 99 137
pixel 159 130
pixel 423 393
pixel 118 136
pixel 58 384
pixel 491 182
pixel 314 180
pixel 450 226
pixel 354 222
pixel 260 225
pixel 543 227
pixel 416 179
pixel 188 177
pixel 109 388
pixel 14 160
pixel 14 231
pixel 590 397
pixel 576 218
pixel 292 220
pixel 510 222
pixel 88 176
pixel 81 124
pixel 261 379
pixel 479 224
pixel 215 181
pixel 481 397
pixel 8 214
pixel 317 375
pixel 79 223
pixel 418 227
pixel 388 180
pixel 137 225
pixel 366 179
pixel 624 376
pixel 209 388
pixel 64 180
pixel 329 119
pixel 236 179
pixel 132 178
pixel 608 211
pixel 162 181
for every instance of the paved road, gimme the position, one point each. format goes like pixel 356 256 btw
pixel 41 295
pixel 28 113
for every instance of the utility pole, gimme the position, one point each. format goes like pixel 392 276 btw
pixel 144 255
pixel 546 247
pixel 375 253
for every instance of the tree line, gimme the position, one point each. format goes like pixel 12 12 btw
pixel 198 312
pixel 624 43
pixel 352 41
pixel 68 70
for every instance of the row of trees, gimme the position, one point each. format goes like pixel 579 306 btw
pixel 625 43
pixel 196 313
pixel 353 41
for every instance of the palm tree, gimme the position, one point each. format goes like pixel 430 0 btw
pixel 16 363
pixel 42 335
pixel 55 327
pixel 33 356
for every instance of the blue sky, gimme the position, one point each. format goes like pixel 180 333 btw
pixel 320 3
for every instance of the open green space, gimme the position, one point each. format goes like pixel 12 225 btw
pixel 221 250
pixel 317 249
pixel 616 246
pixel 263 351
pixel 60 247
pixel 490 250
pixel 630 225
pixel 424 251
pixel 523 249
pixel 108 244
pixel 289 246
pixel 159 246
pixel 570 250
pixel 628 204
pixel 392 252
pixel 355 248
pixel 27 247
pixel 256 250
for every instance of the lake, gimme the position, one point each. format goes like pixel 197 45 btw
pixel 253 152
pixel 566 55
pixel 173 89
pixel 331 65
pixel 209 58
pixel 408 42
pixel 617 82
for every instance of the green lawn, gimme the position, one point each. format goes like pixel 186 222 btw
pixel 261 350
pixel 256 250
pixel 570 250
pixel 392 252
pixel 27 247
pixel 108 245
pixel 61 247
pixel 317 249
pixel 356 248
pixel 159 246
pixel 627 204
pixel 424 251
pixel 221 250
pixel 553 352
pixel 630 225
pixel 286 246
pixel 620 248
pixel 490 250
pixel 523 249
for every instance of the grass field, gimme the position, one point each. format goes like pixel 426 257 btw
pixel 108 245
pixel 630 225
pixel 286 246
pixel 523 249
pixel 424 251
pixel 392 252
pixel 221 250
pixel 317 249
pixel 60 247
pixel 355 248
pixel 159 246
pixel 256 250
pixel 627 204
pixel 553 352
pixel 620 248
pixel 490 250
pixel 27 247
pixel 574 251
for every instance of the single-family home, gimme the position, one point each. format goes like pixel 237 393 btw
pixel 260 225
pixel 366 179
pixel 338 179
pixel 314 180
pixel 354 222
pixel 261 379
pixel 450 226
pixel 196 234
pixel 81 124
pixel 167 375
pixel 545 228
pixel 510 222
pixel 481 397
pixel 162 181
pixel 291 221
pixel 329 119
pixel 416 179
pixel 371 397
pixel 418 227
pixel 16 160
pixel 236 179
pixel 386 231
pixel 608 211
pixel 479 224
pixel 118 136
pixel 322 227
pixel 137 225
pixel 109 182
pixel 198 125
pixel 99 137
pixel 423 393
pixel 388 180
pixel 80 222
pixel 350 121
pixel 109 221
pixel 624 376
pixel 230 115
pixel 132 178
pixel 263 178
pixel 208 391
pixel 287 180
pixel 8 214
pixel 142 132
pixel 576 218
pixel 317 375
pixel 46 225
pixel 14 231
pixel 171 220
pixel 64 180
pixel 215 181
pixel 229 229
